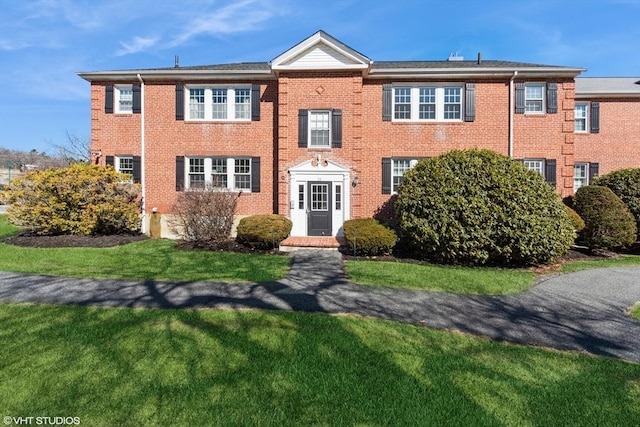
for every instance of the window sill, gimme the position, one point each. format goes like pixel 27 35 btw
pixel 221 122
pixel 428 122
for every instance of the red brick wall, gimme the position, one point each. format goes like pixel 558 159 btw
pixel 617 145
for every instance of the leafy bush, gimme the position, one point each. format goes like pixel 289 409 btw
pixel 477 207
pixel 608 222
pixel 263 231
pixel 625 183
pixel 368 236
pixel 204 217
pixel 80 199
pixel 578 223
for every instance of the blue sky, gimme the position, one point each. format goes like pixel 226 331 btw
pixel 43 43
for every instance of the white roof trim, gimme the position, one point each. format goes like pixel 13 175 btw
pixel 344 57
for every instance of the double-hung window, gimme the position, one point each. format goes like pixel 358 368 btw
pixel 231 173
pixel 580 175
pixel 319 129
pixel 581 115
pixel 427 103
pixel 534 97
pixel 535 165
pixel 124 99
pixel 219 103
pixel 393 171
pixel 125 165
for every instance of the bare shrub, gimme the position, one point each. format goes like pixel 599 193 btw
pixel 204 216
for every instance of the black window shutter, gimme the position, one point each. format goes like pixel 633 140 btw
pixel 179 173
pixel 386 175
pixel 255 103
pixel 550 171
pixel 108 99
pixel 470 102
pixel 386 102
pixel 593 171
pixel 179 101
pixel 595 117
pixel 303 128
pixel 137 175
pixel 137 99
pixel 336 128
pixel 552 98
pixel 110 161
pixel 519 98
pixel 255 174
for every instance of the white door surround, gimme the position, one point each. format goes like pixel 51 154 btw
pixel 301 204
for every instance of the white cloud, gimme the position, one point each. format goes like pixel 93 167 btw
pixel 138 44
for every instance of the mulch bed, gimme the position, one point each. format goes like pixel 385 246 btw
pixel 70 241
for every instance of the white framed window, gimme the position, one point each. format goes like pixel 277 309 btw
pixel 231 173
pixel 534 98
pixel 125 165
pixel 427 103
pixel 124 99
pixel 398 168
pixel 319 128
pixel 534 165
pixel 580 175
pixel 218 103
pixel 581 117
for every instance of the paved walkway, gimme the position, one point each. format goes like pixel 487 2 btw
pixel 583 311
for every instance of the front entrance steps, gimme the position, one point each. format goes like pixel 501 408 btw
pixel 293 243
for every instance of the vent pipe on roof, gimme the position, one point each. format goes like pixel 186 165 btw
pixel 479 58
pixel 177 62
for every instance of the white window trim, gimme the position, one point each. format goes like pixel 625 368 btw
pixel 116 96
pixel 543 99
pixel 208 103
pixel 586 166
pixel 208 172
pixel 412 163
pixel 116 165
pixel 415 101
pixel 585 118
pixel 541 162
pixel 309 129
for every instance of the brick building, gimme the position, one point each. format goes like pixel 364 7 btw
pixel 322 134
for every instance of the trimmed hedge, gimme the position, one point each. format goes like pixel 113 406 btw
pixel 608 222
pixel 576 220
pixel 625 183
pixel 368 237
pixel 80 199
pixel 263 231
pixel 478 207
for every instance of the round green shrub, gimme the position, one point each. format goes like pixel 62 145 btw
pixel 625 183
pixel 478 207
pixel 578 223
pixel 263 231
pixel 368 237
pixel 608 222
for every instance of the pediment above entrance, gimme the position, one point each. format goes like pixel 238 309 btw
pixel 318 165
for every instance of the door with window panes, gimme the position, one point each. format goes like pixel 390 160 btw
pixel 319 210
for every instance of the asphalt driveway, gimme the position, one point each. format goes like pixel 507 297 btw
pixel 582 311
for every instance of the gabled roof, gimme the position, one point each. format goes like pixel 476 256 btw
pixel 323 52
pixel 608 87
pixel 320 52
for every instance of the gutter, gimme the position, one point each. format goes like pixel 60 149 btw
pixel 143 179
pixel 512 111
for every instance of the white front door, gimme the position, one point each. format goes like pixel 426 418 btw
pixel 319 199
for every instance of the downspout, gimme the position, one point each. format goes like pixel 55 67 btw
pixel 143 181
pixel 512 110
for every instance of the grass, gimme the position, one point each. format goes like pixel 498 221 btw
pixel 149 260
pixel 134 367
pixel 472 280
pixel 635 311
pixel 621 261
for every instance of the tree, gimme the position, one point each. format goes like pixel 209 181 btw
pixel 76 148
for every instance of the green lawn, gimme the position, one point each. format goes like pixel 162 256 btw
pixel 149 259
pixel 135 367
pixel 621 261
pixel 635 311
pixel 473 280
